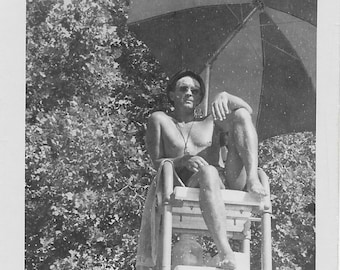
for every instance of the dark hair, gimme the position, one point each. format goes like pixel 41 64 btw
pixel 183 73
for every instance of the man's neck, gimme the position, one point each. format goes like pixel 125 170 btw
pixel 184 115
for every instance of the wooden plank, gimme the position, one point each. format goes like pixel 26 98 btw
pixel 230 235
pixel 197 223
pixel 196 211
pixel 229 196
pixel 235 207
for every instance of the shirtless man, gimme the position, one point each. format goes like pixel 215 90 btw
pixel 194 146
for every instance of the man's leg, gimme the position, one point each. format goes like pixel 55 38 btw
pixel 242 160
pixel 213 212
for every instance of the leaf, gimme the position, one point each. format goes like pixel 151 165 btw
pixel 69 196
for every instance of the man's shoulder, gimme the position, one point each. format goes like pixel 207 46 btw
pixel 158 116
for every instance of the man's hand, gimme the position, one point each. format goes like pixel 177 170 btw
pixel 225 103
pixel 220 107
pixel 194 163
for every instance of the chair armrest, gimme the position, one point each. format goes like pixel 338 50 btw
pixel 168 180
pixel 265 183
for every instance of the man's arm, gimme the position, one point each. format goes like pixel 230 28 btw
pixel 154 142
pixel 235 103
pixel 225 103
pixel 153 138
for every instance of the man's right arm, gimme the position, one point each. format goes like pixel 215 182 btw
pixel 154 141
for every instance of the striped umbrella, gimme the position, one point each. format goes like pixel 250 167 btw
pixel 262 51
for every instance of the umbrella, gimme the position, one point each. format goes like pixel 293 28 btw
pixel 262 51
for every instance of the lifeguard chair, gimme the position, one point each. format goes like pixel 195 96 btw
pixel 181 214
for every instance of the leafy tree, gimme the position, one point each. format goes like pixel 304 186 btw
pixel 86 166
pixel 85 179
pixel 289 161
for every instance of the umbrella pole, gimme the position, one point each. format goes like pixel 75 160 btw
pixel 219 50
pixel 207 84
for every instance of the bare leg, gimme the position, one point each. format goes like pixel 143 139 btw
pixel 235 173
pixel 242 151
pixel 213 212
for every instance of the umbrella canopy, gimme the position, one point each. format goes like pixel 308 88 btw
pixel 262 51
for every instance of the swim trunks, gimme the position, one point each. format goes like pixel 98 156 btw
pixel 184 174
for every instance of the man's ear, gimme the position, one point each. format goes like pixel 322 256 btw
pixel 172 95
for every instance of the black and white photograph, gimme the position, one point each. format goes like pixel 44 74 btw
pixel 170 135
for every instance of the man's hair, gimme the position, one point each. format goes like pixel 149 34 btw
pixel 184 73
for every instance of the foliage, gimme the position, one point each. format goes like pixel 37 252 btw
pixel 80 49
pixel 85 178
pixel 289 162
pixel 86 166
pixel 90 86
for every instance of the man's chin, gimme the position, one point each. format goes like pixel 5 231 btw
pixel 189 105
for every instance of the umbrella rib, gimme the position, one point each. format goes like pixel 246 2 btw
pixel 278 48
pixel 282 23
pixel 294 16
pixel 232 12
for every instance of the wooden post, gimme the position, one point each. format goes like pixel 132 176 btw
pixel 266 241
pixel 207 86
pixel 266 247
pixel 246 244
pixel 167 178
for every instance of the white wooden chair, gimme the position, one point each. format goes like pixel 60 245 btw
pixel 181 214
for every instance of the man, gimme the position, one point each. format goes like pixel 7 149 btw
pixel 194 146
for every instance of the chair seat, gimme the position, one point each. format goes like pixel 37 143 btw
pixel 230 197
pixel 239 207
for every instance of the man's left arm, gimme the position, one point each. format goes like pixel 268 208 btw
pixel 225 103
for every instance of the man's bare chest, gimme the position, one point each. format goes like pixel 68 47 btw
pixel 192 138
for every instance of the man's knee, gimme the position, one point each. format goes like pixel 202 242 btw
pixel 209 177
pixel 208 171
pixel 241 115
pixel 237 117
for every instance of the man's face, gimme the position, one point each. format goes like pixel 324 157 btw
pixel 187 93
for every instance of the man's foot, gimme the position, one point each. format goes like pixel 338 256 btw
pixel 227 265
pixel 254 186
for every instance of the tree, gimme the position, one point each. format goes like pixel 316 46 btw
pixel 86 167
pixel 289 161
pixel 85 179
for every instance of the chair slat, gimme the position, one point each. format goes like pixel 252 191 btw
pixel 230 235
pixel 197 223
pixel 230 197
pixel 235 212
